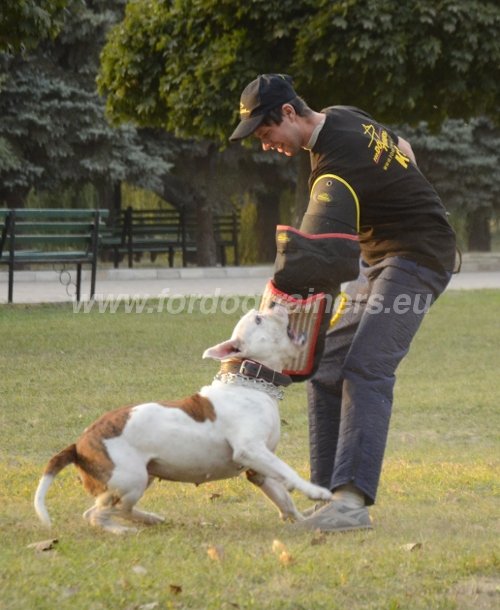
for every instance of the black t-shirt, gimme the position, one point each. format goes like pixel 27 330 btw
pixel 398 213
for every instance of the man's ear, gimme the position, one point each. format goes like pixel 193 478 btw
pixel 288 111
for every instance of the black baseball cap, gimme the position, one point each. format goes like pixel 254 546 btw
pixel 263 94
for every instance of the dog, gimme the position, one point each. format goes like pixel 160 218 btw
pixel 229 427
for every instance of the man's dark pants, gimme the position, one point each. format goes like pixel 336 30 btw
pixel 350 396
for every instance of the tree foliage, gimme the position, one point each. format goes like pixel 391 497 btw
pixel 53 129
pixel 181 65
pixel 423 60
pixel 23 23
pixel 59 133
pixel 461 160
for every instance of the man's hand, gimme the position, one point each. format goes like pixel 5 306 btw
pixel 405 148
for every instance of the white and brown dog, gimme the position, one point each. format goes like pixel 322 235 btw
pixel 230 426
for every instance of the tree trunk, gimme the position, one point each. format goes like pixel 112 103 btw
pixel 104 192
pixel 205 241
pixel 15 199
pixel 478 230
pixel 117 198
pixel 265 228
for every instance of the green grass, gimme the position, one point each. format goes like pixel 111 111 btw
pixel 60 370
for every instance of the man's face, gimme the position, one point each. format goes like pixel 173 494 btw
pixel 285 137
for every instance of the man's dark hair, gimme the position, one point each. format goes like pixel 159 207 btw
pixel 275 116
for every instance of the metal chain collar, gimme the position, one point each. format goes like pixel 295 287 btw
pixel 250 382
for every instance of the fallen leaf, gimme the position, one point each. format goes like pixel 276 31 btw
pixel 216 553
pixel 278 546
pixel 412 546
pixel 214 496
pixel 175 589
pixel 284 422
pixel 285 558
pixel 139 570
pixel 43 545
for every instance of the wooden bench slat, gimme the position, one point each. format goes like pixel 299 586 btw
pixel 55 239
pixel 53 227
pixel 37 257
pixel 33 213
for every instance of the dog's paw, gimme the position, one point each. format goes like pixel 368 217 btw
pixel 291 516
pixel 146 518
pixel 315 492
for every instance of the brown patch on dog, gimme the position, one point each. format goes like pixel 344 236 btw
pixel 61 460
pixel 92 460
pixel 198 407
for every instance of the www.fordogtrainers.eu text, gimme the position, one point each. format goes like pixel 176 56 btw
pixel 174 304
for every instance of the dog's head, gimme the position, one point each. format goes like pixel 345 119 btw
pixel 265 337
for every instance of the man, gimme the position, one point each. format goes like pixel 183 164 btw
pixel 364 180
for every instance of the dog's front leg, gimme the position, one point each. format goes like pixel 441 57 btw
pixel 258 457
pixel 278 495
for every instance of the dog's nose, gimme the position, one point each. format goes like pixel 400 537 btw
pixel 296 338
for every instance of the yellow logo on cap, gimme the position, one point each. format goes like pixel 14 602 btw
pixel 244 110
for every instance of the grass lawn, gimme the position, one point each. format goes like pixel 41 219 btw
pixel 435 542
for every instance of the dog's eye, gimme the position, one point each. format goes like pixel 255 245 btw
pixel 258 319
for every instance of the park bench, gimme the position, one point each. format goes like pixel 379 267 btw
pixel 135 232
pixel 50 237
pixel 226 229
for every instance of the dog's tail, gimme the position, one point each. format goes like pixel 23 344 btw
pixel 55 465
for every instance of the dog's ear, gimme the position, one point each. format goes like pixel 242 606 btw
pixel 221 351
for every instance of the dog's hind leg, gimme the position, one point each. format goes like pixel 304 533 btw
pixel 146 518
pixel 103 500
pixel 278 495
pixel 105 512
pixel 118 502
pixel 128 511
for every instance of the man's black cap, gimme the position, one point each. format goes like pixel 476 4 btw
pixel 263 94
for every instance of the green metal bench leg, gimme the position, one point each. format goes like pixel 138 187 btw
pixel 78 281
pixel 92 280
pixel 11 283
